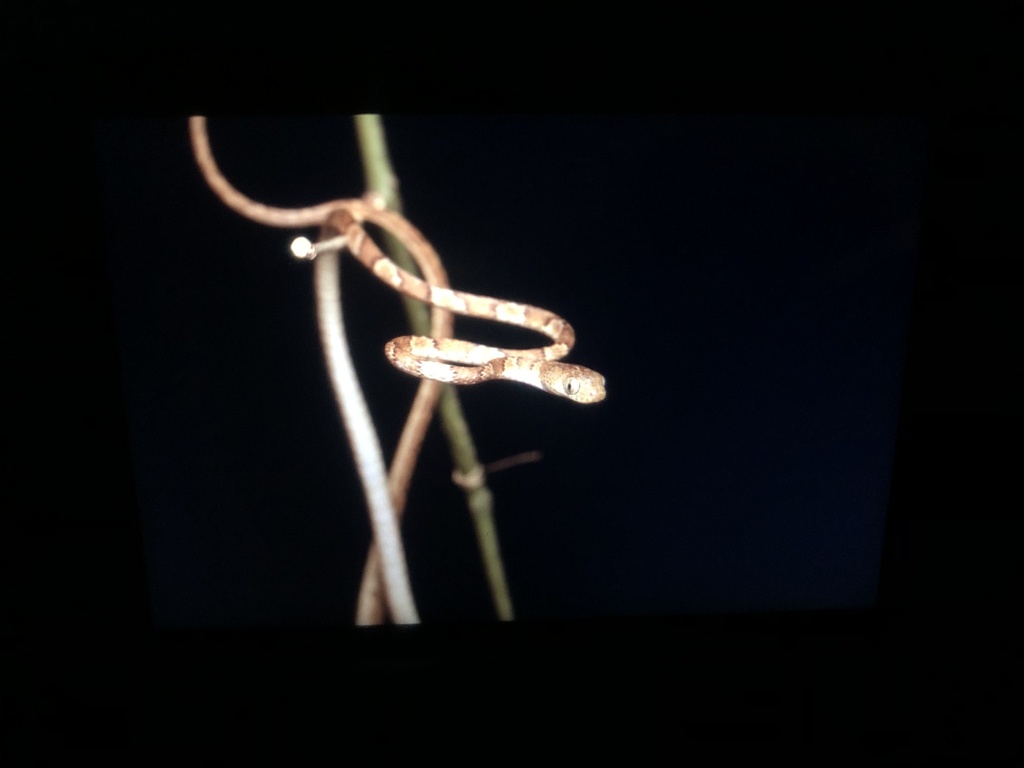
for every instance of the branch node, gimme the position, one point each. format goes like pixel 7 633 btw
pixel 469 481
pixel 376 200
pixel 303 248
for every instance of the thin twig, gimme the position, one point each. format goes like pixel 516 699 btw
pixel 362 437
pixel 526 457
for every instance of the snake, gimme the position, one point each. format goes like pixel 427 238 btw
pixel 454 361
pixel 429 358
pixel 447 360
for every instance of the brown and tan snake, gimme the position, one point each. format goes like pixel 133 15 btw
pixel 429 358
pixel 432 358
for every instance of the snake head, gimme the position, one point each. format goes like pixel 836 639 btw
pixel 579 384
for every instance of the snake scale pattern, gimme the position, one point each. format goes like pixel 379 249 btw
pixel 461 362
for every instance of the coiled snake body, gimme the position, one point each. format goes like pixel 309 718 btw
pixel 432 358
pixel 419 355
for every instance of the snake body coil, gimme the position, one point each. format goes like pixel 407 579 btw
pixel 460 362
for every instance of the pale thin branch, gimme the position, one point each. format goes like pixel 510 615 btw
pixel 363 439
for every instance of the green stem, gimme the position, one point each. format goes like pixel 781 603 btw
pixel 380 178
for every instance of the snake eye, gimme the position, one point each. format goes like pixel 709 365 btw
pixel 572 386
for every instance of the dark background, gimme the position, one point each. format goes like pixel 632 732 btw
pixel 930 672
pixel 743 284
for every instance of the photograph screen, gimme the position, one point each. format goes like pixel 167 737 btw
pixel 678 346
